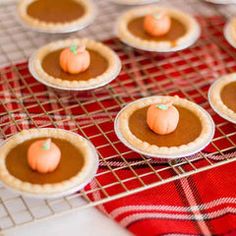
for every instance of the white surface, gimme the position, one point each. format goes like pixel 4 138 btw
pixel 87 222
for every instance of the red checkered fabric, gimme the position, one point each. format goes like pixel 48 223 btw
pixel 203 204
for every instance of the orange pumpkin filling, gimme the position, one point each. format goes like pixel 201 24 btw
pixel 72 161
pixel 55 11
pixel 228 96
pixel 177 30
pixel 188 121
pixel 98 65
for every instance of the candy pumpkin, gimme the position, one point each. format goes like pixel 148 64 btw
pixel 162 118
pixel 75 59
pixel 43 156
pixel 157 24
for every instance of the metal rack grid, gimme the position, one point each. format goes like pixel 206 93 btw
pixel 24 103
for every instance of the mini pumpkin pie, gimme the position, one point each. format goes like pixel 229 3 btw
pixel 222 97
pixel 164 126
pixel 75 64
pixel 47 163
pixel 58 16
pixel 157 29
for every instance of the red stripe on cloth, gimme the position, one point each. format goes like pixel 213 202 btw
pixel 196 211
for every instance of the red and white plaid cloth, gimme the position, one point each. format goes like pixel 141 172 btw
pixel 203 204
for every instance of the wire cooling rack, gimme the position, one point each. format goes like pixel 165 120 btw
pixel 25 103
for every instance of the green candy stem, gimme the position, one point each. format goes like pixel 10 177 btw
pixel 157 16
pixel 47 144
pixel 162 107
pixel 73 48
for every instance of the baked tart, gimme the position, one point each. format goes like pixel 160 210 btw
pixel 164 126
pixel 47 163
pixel 60 16
pixel 75 64
pixel 222 97
pixel 157 29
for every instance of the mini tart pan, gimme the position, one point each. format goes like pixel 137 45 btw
pixel 134 2
pixel 164 152
pixel 230 32
pixel 192 34
pixel 52 28
pixel 112 71
pixel 49 191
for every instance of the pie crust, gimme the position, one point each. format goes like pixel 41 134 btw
pixel 51 27
pixel 192 34
pixel 215 97
pixel 114 65
pixel 89 168
pixel 146 148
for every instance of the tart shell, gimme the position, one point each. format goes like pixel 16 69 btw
pixel 113 70
pixel 48 27
pixel 193 30
pixel 124 134
pixel 134 2
pixel 215 99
